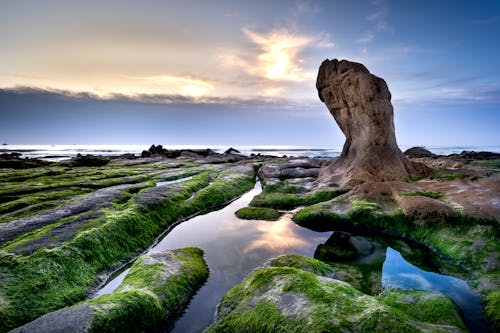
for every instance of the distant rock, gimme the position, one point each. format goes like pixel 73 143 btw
pixel 418 152
pixel 360 103
pixel 159 151
pixel 15 161
pixel 89 161
pixel 232 151
pixel 468 156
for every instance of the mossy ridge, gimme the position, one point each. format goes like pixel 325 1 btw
pixel 286 299
pixel 153 294
pixel 146 300
pixel 51 279
pixel 432 195
pixel 258 213
pixel 283 195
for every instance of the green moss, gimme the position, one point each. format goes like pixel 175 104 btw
pixel 258 213
pixel 59 277
pixel 321 195
pixel 425 306
pixel 303 263
pixel 276 200
pixel 283 195
pixel 152 295
pixel 433 195
pixel 286 299
pixel 492 309
pixel 487 163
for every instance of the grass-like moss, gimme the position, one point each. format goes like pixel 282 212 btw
pixel 146 300
pixel 286 200
pixel 425 306
pixel 495 163
pixel 50 279
pixel 287 299
pixel 432 195
pixel 258 213
pixel 492 309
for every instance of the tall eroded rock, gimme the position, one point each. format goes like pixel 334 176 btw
pixel 360 102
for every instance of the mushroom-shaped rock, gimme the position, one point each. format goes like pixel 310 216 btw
pixel 360 102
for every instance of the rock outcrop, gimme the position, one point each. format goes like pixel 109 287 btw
pixel 360 102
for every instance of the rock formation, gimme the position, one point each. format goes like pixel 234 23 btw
pixel 360 102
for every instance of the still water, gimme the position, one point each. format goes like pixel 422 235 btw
pixel 234 247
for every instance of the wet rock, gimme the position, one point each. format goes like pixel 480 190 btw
pixel 468 156
pixel 154 293
pixel 94 201
pixel 232 151
pixel 360 103
pixel 417 152
pixel 289 299
pixel 14 161
pixel 87 161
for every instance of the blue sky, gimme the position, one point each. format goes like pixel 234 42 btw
pixel 241 72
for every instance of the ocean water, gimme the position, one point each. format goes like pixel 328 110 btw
pixel 62 152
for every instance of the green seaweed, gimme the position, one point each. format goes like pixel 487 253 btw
pixel 258 213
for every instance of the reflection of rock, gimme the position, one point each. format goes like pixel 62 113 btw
pixel 285 298
pixel 360 102
pixel 338 247
pixel 356 260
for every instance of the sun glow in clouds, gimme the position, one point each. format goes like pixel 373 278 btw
pixel 278 57
pixel 181 85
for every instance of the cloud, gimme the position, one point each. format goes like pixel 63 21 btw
pixel 264 102
pixel 366 38
pixel 377 17
pixel 183 85
pixel 276 55
pixel 304 7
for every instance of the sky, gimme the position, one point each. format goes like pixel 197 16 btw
pixel 242 72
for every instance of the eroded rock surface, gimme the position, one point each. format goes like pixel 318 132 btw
pixel 360 103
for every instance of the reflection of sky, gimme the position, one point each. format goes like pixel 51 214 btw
pixel 233 248
pixel 398 273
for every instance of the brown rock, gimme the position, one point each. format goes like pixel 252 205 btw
pixel 360 102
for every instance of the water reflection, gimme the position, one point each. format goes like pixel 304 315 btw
pixel 371 264
pixel 277 236
pixel 233 248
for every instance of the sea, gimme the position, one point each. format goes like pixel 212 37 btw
pixel 56 153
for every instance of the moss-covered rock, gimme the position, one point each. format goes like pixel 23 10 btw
pixel 289 299
pixel 153 294
pixel 35 283
pixel 258 213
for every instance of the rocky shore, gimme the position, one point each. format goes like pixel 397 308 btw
pixel 66 226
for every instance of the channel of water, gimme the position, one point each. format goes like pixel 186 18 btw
pixel 234 247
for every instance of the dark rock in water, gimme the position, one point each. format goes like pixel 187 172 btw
pixel 232 151
pixel 468 156
pixel 89 161
pixel 360 102
pixel 159 151
pixel 14 161
pixel 417 152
